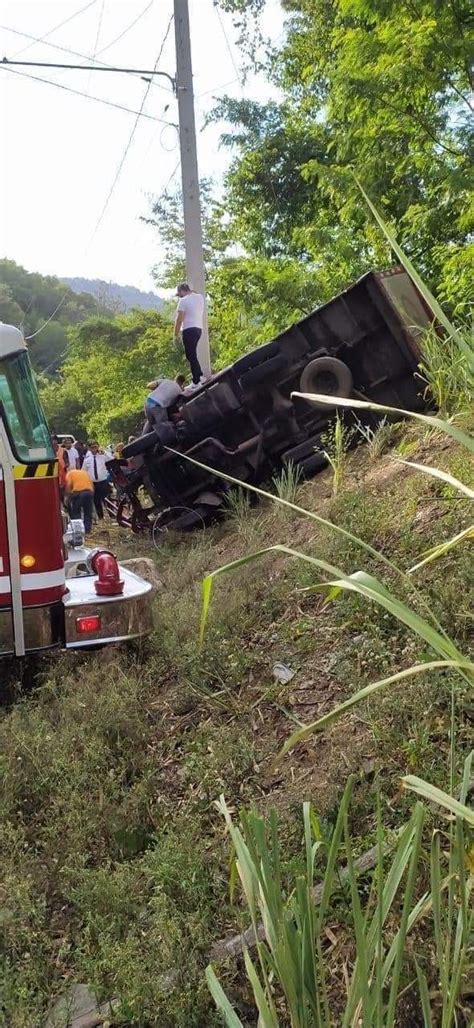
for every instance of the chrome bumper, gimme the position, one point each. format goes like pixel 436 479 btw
pixel 123 617
pixel 42 626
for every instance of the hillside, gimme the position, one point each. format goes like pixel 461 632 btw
pixel 116 861
pixel 45 309
pixel 115 297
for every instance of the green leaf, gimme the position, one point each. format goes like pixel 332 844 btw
pixel 267 1018
pixel 424 996
pixel 427 419
pixel 220 999
pixel 438 551
pixel 442 475
pixel 420 284
pixel 442 799
pixel 417 669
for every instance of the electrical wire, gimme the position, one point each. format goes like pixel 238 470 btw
pixel 50 317
pixel 129 27
pixel 87 96
pixel 229 48
pixel 131 137
pixel 99 26
pixel 74 53
pixel 56 27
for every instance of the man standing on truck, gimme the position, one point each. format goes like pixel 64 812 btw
pixel 189 319
pixel 94 464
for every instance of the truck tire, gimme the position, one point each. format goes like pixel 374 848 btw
pixel 255 358
pixel 263 373
pixel 326 375
pixel 145 442
pixel 312 465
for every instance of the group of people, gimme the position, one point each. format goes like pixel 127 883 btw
pixel 84 479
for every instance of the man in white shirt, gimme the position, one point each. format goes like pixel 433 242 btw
pixel 165 393
pixel 71 456
pixel 94 464
pixel 189 318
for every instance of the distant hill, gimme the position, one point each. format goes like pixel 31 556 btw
pixel 115 297
pixel 45 310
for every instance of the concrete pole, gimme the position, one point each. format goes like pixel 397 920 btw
pixel 195 272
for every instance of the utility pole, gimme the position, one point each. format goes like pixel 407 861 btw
pixel 195 272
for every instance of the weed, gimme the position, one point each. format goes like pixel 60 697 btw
pixel 337 441
pixel 291 978
pixel 287 483
pixel 237 505
pixel 445 370
pixel 379 438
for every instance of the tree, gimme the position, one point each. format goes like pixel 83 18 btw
pixel 381 86
pixel 45 308
pixel 101 389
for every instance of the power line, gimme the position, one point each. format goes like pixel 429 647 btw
pixel 50 317
pixel 229 48
pixel 67 50
pixel 129 27
pixel 56 27
pixel 130 139
pixel 99 26
pixel 87 96
pixel 217 88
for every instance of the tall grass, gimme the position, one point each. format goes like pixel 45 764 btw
pixel 337 441
pixel 294 979
pixel 292 963
pixel 446 372
pixel 287 483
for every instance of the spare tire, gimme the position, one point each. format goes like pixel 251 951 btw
pixel 145 442
pixel 326 375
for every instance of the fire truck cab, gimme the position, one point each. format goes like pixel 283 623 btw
pixel 54 592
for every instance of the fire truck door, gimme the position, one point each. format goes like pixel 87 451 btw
pixel 11 523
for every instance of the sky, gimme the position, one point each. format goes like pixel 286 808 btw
pixel 61 152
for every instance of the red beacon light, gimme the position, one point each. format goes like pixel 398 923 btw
pixel 104 564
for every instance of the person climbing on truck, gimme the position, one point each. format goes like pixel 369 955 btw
pixel 165 394
pixel 189 320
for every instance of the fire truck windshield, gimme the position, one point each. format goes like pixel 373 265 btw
pixel 21 410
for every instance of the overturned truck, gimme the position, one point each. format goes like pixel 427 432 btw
pixel 244 422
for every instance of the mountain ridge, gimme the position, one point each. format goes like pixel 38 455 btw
pixel 114 296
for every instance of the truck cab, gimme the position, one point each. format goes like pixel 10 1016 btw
pixel 52 594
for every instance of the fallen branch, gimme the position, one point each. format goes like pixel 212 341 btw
pixel 234 945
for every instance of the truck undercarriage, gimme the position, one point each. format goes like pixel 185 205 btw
pixel 246 423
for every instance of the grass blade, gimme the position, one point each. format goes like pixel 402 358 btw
pixel 424 997
pixel 416 278
pixel 220 999
pixel 407 901
pixel 442 475
pixel 427 419
pixel 316 726
pixel 434 795
pixel 439 551
pixel 267 1017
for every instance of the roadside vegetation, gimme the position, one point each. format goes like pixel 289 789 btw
pixel 115 859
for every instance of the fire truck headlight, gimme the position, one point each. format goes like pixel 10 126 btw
pixel 28 561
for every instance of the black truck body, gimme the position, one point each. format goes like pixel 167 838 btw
pixel 244 421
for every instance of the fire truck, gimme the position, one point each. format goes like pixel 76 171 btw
pixel 54 592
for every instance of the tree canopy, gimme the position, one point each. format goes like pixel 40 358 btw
pixel 28 299
pixel 379 88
